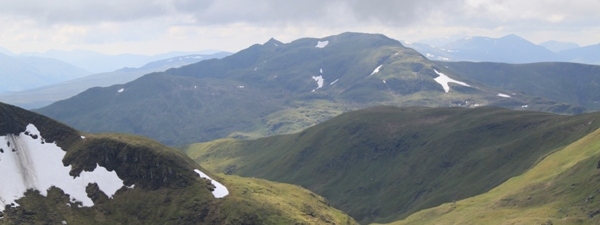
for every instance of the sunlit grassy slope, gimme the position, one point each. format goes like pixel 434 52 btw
pixel 562 189
pixel 384 163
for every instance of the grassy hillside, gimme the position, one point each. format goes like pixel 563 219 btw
pixel 560 189
pixel 385 163
pixel 160 186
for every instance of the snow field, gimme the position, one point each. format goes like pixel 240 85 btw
pixel 28 162
pixel 220 190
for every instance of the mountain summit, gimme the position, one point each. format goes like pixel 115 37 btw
pixel 277 88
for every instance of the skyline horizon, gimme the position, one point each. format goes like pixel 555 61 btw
pixel 426 40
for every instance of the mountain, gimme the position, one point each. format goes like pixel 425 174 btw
pixel 577 84
pixel 46 95
pixel 557 46
pixel 278 88
pixel 384 163
pixel 21 73
pixel 508 49
pixel 561 189
pixel 6 52
pixel 53 174
pixel 440 41
pixel 587 54
pixel 99 63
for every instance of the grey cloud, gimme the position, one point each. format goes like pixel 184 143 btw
pixel 394 13
pixel 89 11
pixel 389 12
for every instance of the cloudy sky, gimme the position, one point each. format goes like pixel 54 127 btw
pixel 155 26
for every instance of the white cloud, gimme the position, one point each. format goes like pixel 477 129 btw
pixel 162 25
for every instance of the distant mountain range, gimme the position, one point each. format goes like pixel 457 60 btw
pixel 19 73
pixel 48 94
pixel 278 88
pixel 96 62
pixel 557 46
pixel 509 49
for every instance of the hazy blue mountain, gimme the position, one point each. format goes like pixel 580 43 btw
pixel 22 73
pixel 6 52
pixel 557 46
pixel 98 62
pixel 43 96
pixel 508 49
pixel 440 41
pixel 587 54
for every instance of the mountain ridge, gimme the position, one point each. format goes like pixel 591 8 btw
pixel 48 94
pixel 270 89
pixel 508 49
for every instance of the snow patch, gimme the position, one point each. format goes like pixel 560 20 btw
pixel 335 81
pixel 220 190
pixel 321 70
pixel 322 44
pixel 82 137
pixel 241 86
pixel 121 90
pixel 444 80
pixel 384 82
pixel 376 70
pixel 503 95
pixel 524 106
pixel 34 164
pixel 319 79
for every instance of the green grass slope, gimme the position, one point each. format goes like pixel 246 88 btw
pixel 166 190
pixel 563 188
pixel 385 163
